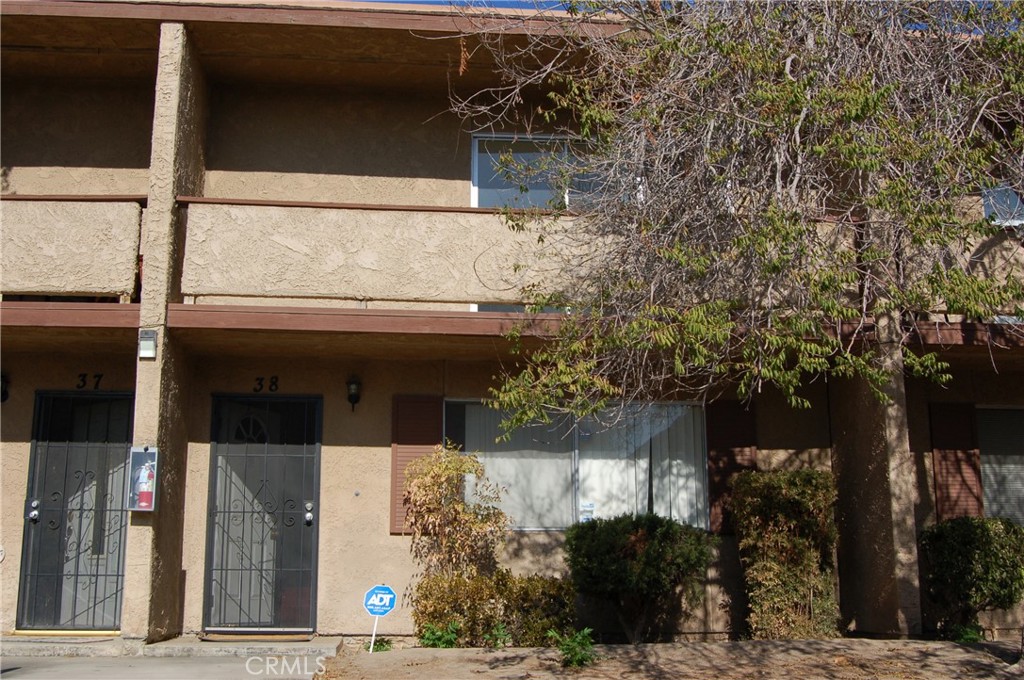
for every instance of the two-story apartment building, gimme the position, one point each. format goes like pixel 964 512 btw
pixel 249 243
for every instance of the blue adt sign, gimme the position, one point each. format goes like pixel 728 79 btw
pixel 379 600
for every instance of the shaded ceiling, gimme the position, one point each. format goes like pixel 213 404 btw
pixel 127 49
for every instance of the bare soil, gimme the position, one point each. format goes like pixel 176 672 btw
pixel 846 659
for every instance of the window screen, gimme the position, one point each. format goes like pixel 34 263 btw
pixel 1001 440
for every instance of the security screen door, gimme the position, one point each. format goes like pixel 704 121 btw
pixel 262 528
pixel 72 570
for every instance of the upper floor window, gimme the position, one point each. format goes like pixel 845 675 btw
pixel 518 172
pixel 651 460
pixel 1003 207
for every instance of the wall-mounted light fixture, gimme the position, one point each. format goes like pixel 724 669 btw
pixel 354 388
pixel 4 382
pixel 147 344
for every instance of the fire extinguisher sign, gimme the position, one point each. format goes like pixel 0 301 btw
pixel 142 480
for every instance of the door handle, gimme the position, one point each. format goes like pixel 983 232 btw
pixel 33 515
pixel 309 519
pixel 33 510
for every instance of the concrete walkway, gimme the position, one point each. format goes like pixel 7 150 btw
pixel 187 658
pixel 183 658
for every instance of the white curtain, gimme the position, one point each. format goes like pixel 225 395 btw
pixel 534 466
pixel 652 460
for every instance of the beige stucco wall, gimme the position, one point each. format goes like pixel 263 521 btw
pixel 354 254
pixel 29 372
pixel 793 438
pixel 878 494
pixel 336 146
pixel 153 588
pixel 69 248
pixel 76 137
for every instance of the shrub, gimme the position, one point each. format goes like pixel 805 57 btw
pixel 971 564
pixel 440 638
pixel 381 644
pixel 534 604
pixel 641 564
pixel 455 540
pixel 787 536
pixel 498 637
pixel 450 533
pixel 577 648
pixel 484 606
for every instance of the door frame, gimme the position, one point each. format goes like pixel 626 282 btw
pixel 317 401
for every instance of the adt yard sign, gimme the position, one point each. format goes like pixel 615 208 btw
pixel 378 601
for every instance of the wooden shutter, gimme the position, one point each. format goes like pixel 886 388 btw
pixel 956 461
pixel 416 428
pixel 732 447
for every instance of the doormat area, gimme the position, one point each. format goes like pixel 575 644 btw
pixel 256 637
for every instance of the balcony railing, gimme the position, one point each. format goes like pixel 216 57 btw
pixel 391 254
pixel 71 246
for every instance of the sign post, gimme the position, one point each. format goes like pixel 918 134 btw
pixel 378 601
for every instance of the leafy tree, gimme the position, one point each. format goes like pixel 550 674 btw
pixel 759 192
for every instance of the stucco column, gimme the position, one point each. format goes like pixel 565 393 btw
pixel 875 473
pixel 153 594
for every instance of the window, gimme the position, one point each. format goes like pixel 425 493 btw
pixel 519 172
pixel 652 460
pixel 1001 442
pixel 1003 207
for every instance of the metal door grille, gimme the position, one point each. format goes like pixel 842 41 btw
pixel 72 573
pixel 261 550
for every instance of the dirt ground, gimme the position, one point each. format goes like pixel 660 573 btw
pixel 761 660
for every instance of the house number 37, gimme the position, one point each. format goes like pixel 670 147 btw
pixel 85 381
pixel 263 383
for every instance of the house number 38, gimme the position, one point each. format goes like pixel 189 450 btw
pixel 262 383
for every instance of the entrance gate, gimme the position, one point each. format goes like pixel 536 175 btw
pixel 72 572
pixel 262 534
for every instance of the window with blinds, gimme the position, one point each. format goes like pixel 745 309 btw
pixel 1001 441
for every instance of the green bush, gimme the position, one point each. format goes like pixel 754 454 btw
pixel 641 564
pixel 440 638
pixel 535 604
pixel 494 610
pixel 787 536
pixel 971 564
pixel 577 648
pixel 381 644
pixel 498 637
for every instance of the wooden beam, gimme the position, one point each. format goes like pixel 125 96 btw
pixel 68 314
pixel 204 200
pixel 423 19
pixel 322 320
pixel 79 198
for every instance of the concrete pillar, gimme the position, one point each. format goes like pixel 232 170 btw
pixel 878 496
pixel 153 594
